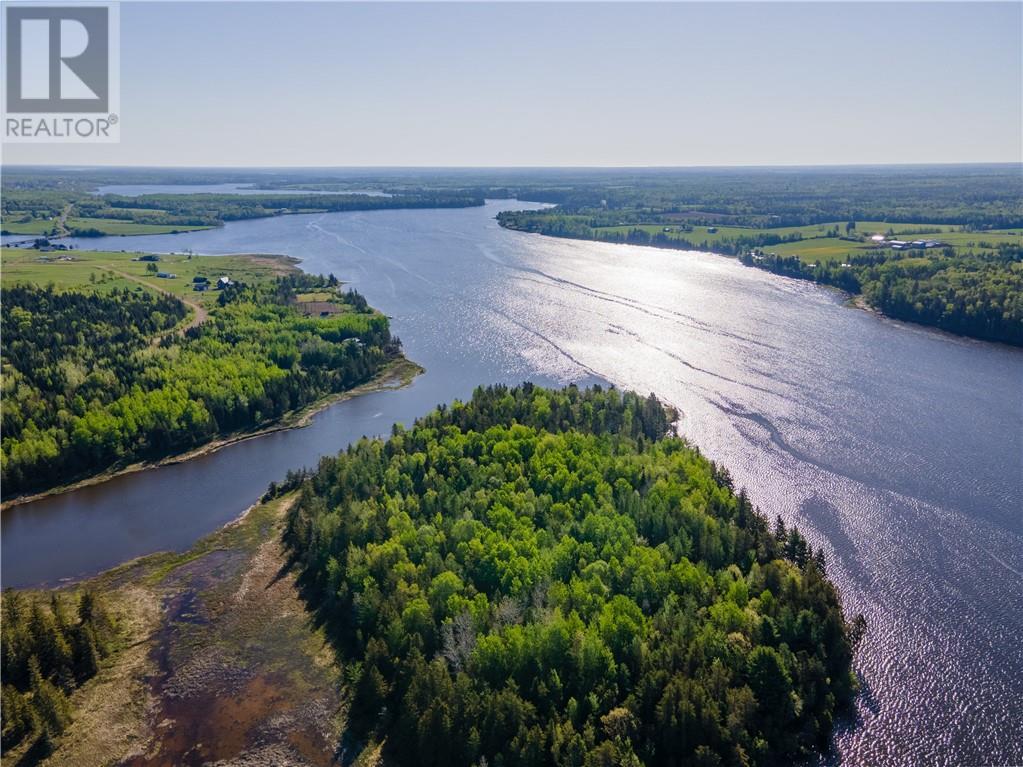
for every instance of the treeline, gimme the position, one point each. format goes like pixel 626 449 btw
pixel 85 389
pixel 542 577
pixel 211 209
pixel 594 228
pixel 49 647
pixel 982 196
pixel 977 295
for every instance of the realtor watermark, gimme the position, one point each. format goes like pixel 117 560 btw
pixel 62 67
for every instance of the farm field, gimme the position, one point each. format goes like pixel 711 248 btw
pixel 104 271
pixel 817 245
pixel 107 226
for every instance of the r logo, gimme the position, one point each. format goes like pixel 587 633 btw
pixel 58 59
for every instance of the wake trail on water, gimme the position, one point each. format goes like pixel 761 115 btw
pixel 387 259
pixel 652 310
pixel 547 340
pixel 684 362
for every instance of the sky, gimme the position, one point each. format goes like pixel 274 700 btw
pixel 577 84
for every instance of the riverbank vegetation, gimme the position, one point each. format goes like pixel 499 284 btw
pixel 61 212
pixel 964 274
pixel 543 577
pixel 96 378
pixel 204 656
pixel 971 284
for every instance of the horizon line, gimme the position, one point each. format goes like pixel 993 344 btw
pixel 765 166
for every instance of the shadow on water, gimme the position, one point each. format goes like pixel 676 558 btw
pixel 826 518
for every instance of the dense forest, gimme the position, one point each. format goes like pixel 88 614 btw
pixel 542 577
pixel 24 206
pixel 985 196
pixel 49 647
pixel 87 386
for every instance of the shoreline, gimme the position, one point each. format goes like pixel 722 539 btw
pixel 395 375
pixel 166 668
pixel 852 300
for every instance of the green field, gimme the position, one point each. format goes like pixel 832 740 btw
pixel 33 226
pixel 109 226
pixel 816 246
pixel 124 227
pixel 104 271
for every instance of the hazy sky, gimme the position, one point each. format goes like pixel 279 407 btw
pixel 331 84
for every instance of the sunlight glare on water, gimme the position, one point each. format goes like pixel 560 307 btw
pixel 897 448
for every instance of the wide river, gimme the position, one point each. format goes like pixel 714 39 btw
pixel 898 448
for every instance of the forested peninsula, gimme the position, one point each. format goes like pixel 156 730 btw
pixel 542 577
pixel 104 373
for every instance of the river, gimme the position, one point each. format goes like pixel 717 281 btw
pixel 898 448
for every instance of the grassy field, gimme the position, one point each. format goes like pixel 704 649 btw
pixel 109 226
pixel 104 271
pixel 120 227
pixel 817 246
pixel 304 298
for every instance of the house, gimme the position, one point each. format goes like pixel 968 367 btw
pixel 224 282
pixel 149 257
pixel 712 230
pixel 200 286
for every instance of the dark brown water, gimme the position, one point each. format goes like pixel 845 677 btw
pixel 898 448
